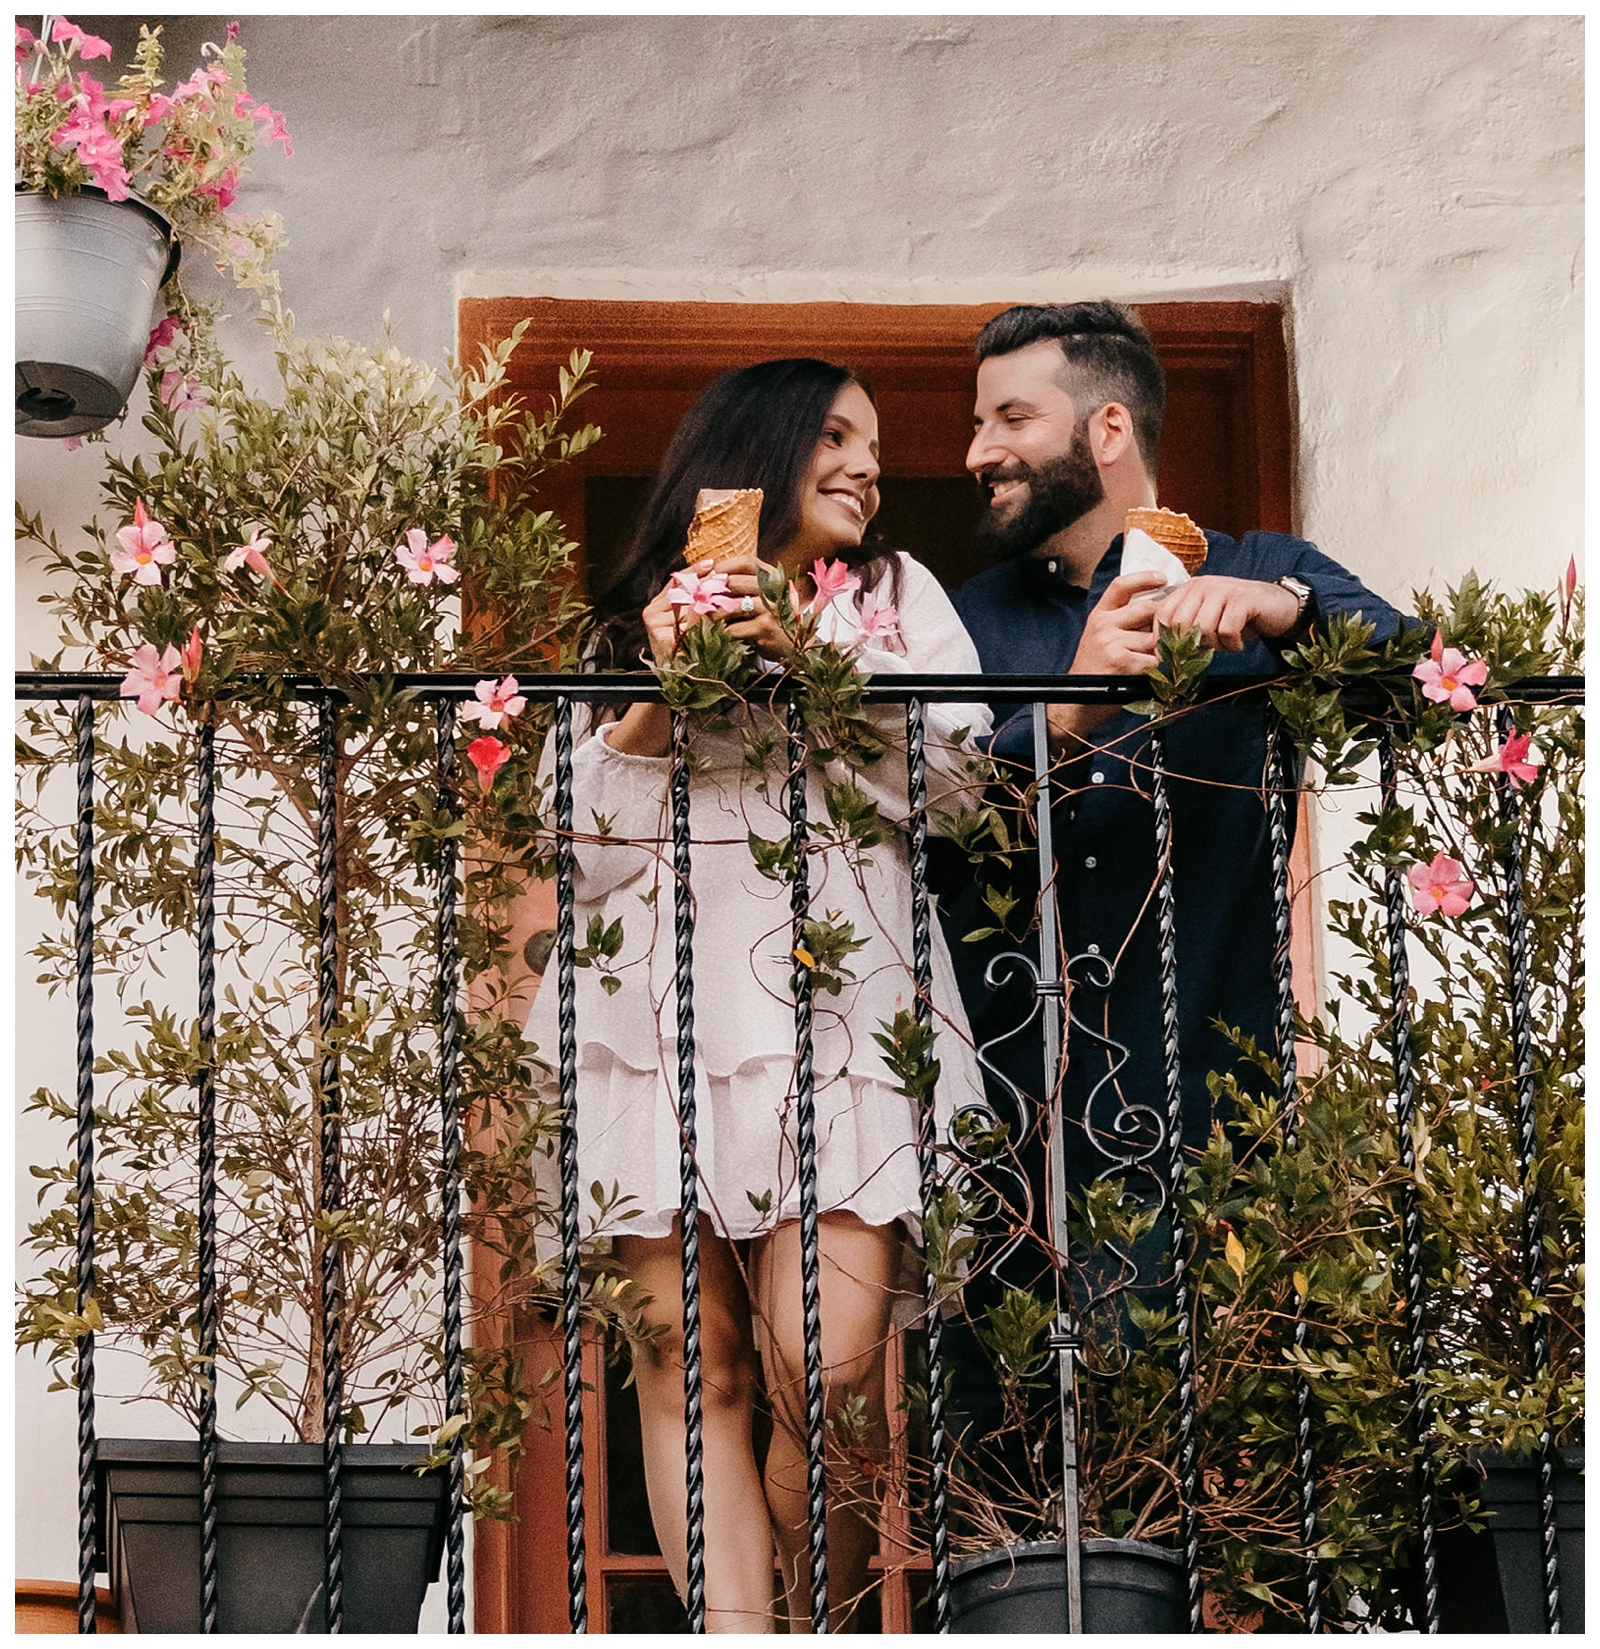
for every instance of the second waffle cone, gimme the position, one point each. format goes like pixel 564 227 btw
pixel 1173 532
pixel 727 522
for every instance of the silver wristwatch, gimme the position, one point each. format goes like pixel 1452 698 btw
pixel 1302 592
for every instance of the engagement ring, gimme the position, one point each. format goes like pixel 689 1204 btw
pixel 747 605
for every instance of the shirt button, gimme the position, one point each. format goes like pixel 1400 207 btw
pixel 1097 778
pixel 1090 862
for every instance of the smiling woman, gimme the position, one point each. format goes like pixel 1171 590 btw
pixel 806 435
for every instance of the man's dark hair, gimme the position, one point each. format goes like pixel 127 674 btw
pixel 1108 356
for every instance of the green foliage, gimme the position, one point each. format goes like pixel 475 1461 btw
pixel 1302 1226
pixel 354 449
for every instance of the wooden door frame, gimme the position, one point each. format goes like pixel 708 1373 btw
pixel 650 349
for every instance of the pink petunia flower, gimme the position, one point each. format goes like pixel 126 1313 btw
pixel 143 549
pixel 243 103
pixel 1515 758
pixel 72 443
pixel 1447 677
pixel 155 678
pixel 158 109
pixel 161 336
pixel 224 190
pixel 26 43
pixel 704 597
pixel 1441 888
pixel 488 756
pixel 496 701
pixel 276 132
pixel 878 621
pixel 89 45
pixel 98 151
pixel 233 33
pixel 832 579
pixel 189 659
pixel 181 392
pixel 425 562
pixel 199 84
pixel 249 554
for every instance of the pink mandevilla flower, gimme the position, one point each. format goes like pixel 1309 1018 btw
pixel 705 597
pixel 1515 758
pixel 832 579
pixel 193 648
pixel 249 554
pixel 181 392
pixel 878 621
pixel 488 756
pixel 143 549
pixel 89 45
pixel 154 678
pixel 496 701
pixel 425 562
pixel 1442 888
pixel 1447 677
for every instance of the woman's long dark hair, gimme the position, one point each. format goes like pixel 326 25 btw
pixel 757 426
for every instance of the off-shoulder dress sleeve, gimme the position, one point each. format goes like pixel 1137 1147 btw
pixel 619 806
pixel 932 640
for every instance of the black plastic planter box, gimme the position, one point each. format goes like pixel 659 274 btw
pixel 1129 1587
pixel 1494 1581
pixel 269 1535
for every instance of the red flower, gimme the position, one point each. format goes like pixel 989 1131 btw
pixel 488 756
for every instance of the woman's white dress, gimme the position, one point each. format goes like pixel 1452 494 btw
pixel 629 1140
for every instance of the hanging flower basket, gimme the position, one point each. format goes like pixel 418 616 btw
pixel 89 273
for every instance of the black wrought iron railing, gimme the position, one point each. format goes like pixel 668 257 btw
pixel 84 691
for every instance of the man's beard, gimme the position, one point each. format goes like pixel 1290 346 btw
pixel 1060 491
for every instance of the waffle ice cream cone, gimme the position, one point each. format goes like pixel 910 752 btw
pixel 1173 532
pixel 726 523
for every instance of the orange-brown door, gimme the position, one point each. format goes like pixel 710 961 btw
pixel 1225 459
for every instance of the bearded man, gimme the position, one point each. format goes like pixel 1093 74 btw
pixel 1067 427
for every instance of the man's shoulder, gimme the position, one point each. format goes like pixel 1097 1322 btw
pixel 997 586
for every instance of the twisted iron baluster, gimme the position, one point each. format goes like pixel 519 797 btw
pixel 1279 789
pixel 83 734
pixel 1066 1339
pixel 332 1290
pixel 571 1285
pixel 1410 1207
pixel 1188 1464
pixel 688 1183
pixel 450 1172
pixel 1528 1170
pixel 806 1140
pixel 206 933
pixel 927 1162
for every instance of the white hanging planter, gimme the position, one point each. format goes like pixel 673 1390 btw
pixel 89 272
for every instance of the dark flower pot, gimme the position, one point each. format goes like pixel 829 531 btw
pixel 88 273
pixel 269 1535
pixel 1129 1586
pixel 1494 1581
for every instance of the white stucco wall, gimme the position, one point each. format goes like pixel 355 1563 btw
pixel 1411 188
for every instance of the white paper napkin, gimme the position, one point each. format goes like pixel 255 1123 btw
pixel 1142 554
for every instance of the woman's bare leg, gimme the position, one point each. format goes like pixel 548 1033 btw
pixel 737 1527
pixel 860 1267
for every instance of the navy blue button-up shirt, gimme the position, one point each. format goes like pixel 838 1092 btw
pixel 1027 619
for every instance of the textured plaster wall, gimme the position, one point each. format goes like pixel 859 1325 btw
pixel 1411 188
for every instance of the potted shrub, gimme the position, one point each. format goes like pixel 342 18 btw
pixel 325 530
pixel 111 185
pixel 1310 1229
